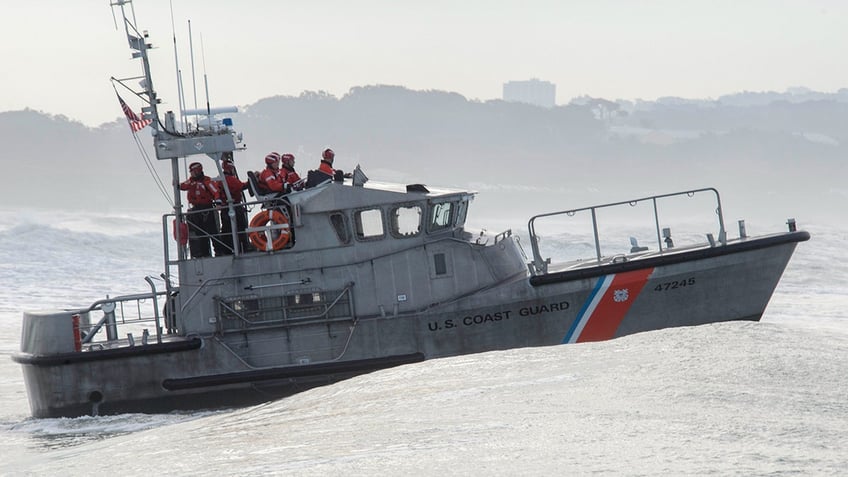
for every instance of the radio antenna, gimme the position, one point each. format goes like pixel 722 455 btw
pixel 180 97
pixel 205 82
pixel 193 78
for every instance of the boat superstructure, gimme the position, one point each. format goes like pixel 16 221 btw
pixel 372 275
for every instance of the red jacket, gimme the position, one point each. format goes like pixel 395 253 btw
pixel 235 187
pixel 200 192
pixel 271 180
pixel 326 168
pixel 291 177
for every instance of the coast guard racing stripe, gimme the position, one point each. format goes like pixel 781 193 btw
pixel 607 306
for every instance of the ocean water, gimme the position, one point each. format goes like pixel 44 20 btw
pixel 767 398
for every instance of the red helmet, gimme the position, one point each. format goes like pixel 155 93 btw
pixel 328 154
pixel 272 158
pixel 195 166
pixel 288 159
pixel 228 166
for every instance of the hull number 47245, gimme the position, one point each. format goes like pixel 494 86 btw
pixel 687 282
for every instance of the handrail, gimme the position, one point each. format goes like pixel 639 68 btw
pixel 109 305
pixel 540 265
pixel 155 310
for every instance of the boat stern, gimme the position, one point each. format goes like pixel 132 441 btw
pixel 51 332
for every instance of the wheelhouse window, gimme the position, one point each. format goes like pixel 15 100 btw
pixel 441 216
pixel 405 221
pixel 369 224
pixel 339 222
pixel 461 212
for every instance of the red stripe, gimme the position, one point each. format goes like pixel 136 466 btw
pixel 609 313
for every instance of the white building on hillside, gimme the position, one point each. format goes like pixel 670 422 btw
pixel 534 91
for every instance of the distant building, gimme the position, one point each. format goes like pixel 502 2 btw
pixel 534 91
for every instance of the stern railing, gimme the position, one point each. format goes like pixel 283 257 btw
pixel 129 312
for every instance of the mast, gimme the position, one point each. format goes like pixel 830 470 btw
pixel 169 143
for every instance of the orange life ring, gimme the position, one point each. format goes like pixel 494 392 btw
pixel 259 239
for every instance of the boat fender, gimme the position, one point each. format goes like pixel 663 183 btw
pixel 259 239
pixel 180 233
pixel 77 334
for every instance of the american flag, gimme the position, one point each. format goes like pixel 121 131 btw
pixel 136 123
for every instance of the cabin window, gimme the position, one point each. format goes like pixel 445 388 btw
pixel 406 221
pixel 440 264
pixel 339 222
pixel 369 224
pixel 461 212
pixel 441 216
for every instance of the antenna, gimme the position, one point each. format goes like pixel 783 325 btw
pixel 177 67
pixel 205 82
pixel 193 79
pixel 181 92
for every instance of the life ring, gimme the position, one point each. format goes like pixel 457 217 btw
pixel 259 238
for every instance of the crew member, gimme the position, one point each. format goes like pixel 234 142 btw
pixel 270 179
pixel 327 158
pixel 201 220
pixel 326 167
pixel 290 177
pixel 235 187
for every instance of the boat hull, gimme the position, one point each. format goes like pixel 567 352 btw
pixel 706 285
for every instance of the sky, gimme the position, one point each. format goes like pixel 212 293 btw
pixel 58 56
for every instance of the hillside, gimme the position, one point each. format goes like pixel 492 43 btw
pixel 763 156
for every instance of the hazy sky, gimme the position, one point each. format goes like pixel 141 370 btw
pixel 58 56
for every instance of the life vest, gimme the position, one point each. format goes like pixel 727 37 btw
pixel 271 180
pixel 200 192
pixel 291 177
pixel 234 185
pixel 326 168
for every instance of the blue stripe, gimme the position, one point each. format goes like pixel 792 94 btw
pixel 583 310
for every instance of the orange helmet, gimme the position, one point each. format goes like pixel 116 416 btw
pixel 195 166
pixel 272 158
pixel 288 159
pixel 328 155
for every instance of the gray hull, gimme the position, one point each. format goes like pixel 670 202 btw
pixel 244 365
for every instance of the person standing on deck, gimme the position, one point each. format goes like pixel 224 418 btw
pixel 202 224
pixel 235 186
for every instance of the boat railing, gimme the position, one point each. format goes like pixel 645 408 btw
pixel 219 239
pixel 539 265
pixel 136 313
pixel 172 231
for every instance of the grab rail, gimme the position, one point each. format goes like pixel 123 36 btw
pixel 286 320
pixel 540 265
pixel 116 312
